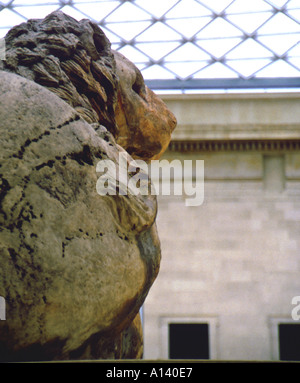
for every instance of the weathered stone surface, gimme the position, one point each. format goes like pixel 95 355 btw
pixel 75 266
pixel 75 61
pixel 132 340
pixel 72 59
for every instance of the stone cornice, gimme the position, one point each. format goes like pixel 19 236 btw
pixel 240 131
pixel 234 145
pixel 232 96
pixel 251 118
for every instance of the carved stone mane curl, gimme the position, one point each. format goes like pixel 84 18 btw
pixel 71 58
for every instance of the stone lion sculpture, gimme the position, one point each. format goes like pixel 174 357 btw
pixel 75 61
pixel 76 266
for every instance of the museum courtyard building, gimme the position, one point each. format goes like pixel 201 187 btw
pixel 230 266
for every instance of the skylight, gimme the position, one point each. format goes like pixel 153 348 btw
pixel 188 40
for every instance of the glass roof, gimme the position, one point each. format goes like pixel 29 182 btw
pixel 184 42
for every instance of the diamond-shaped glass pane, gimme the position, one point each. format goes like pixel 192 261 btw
pixel 127 12
pixel 156 31
pixel 295 51
pixel 216 49
pixel 293 4
pixel 190 51
pixel 27 2
pixel 97 11
pixel 216 5
pixel 295 61
pixel 280 44
pixel 250 22
pixel 248 68
pixel 242 6
pixel 216 70
pixel 278 3
pixel 217 26
pixel 128 31
pixel 191 28
pixel 295 14
pixel 157 51
pixel 157 8
pixel 280 23
pixel 185 69
pixel 249 49
pixel 188 8
pixel 279 68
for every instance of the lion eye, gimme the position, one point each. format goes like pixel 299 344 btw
pixel 139 86
pixel 136 87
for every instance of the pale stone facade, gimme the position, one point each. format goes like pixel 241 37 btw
pixel 233 261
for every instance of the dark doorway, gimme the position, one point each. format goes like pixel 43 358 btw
pixel 188 341
pixel 289 341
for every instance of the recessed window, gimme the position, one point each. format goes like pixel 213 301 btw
pixel 189 341
pixel 289 341
pixel 274 173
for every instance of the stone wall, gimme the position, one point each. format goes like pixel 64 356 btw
pixel 232 262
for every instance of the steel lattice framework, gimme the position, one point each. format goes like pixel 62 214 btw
pixel 190 44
